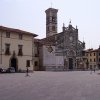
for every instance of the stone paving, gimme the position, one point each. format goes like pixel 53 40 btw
pixel 72 85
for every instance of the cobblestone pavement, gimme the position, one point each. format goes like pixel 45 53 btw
pixel 72 85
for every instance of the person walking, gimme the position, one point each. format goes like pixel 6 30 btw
pixel 94 68
pixel 90 69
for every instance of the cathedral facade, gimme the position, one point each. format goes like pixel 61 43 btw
pixel 59 51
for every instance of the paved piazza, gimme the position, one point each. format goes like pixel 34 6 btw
pixel 72 85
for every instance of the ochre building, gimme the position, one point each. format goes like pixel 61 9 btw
pixel 16 49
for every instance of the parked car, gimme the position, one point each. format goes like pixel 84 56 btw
pixel 10 70
pixel 2 70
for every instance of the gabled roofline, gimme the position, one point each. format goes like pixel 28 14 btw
pixel 17 31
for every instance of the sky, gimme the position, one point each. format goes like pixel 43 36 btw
pixel 29 15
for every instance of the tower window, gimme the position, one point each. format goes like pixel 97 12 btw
pixel 48 28
pixel 53 28
pixel 53 19
pixel 48 19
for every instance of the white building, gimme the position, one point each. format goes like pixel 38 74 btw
pixel 16 48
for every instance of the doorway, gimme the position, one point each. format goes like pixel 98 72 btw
pixel 14 63
pixel 70 63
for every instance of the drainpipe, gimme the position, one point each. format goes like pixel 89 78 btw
pixel 32 52
pixel 1 50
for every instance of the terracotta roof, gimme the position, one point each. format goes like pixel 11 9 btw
pixel 16 30
pixel 91 50
pixel 51 40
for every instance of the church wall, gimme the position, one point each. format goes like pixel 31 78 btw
pixel 50 61
pixel 49 58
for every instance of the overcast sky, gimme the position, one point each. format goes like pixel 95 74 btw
pixel 29 15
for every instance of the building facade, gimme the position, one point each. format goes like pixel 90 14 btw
pixel 60 50
pixel 36 55
pixel 93 58
pixel 16 48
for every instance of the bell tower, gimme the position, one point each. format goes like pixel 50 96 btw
pixel 51 21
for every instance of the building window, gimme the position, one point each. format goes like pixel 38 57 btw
pixel 20 50
pixel 90 60
pixel 36 63
pixel 7 49
pixel 36 55
pixel 94 54
pixel 94 59
pixel 7 34
pixel 20 36
pixel 83 53
pixel 28 63
pixel 99 54
pixel 99 59
pixel 90 54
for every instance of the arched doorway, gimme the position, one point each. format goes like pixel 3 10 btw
pixel 70 63
pixel 13 63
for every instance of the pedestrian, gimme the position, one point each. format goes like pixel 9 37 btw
pixel 91 69
pixel 94 69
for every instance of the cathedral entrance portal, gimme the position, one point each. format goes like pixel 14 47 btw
pixel 14 63
pixel 70 63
